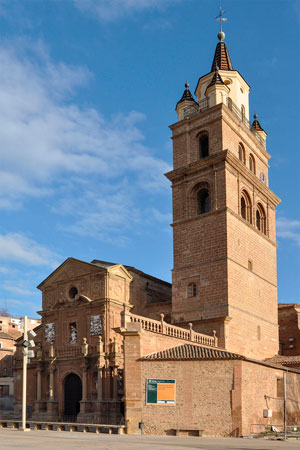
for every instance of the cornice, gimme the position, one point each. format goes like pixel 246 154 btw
pixel 250 176
pixel 230 158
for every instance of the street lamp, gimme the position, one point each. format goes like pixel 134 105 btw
pixel 27 342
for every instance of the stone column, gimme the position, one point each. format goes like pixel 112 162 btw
pixel 51 385
pixel 84 385
pixel 115 383
pixel 38 385
pixel 99 383
pixel 84 390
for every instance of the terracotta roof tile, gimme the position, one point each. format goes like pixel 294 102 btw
pixel 6 336
pixel 191 352
pixel 284 360
pixel 221 58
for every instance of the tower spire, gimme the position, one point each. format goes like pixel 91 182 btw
pixel 221 57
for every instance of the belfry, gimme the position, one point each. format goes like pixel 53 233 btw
pixel 224 275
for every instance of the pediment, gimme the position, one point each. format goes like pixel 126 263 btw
pixel 70 269
pixel 119 270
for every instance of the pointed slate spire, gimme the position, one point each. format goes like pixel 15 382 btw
pixel 256 125
pixel 221 57
pixel 186 96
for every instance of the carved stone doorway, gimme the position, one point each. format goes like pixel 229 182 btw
pixel 72 397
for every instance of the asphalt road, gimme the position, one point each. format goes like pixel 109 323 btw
pixel 53 440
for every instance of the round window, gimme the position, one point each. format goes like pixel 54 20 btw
pixel 227 82
pixel 73 292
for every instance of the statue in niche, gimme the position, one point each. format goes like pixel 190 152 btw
pixel 73 333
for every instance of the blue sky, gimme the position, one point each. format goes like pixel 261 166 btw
pixel 87 91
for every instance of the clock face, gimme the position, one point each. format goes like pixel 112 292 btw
pixel 262 177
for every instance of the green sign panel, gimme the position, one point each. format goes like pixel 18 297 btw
pixel 160 392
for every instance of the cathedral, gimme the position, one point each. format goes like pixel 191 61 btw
pixel 118 346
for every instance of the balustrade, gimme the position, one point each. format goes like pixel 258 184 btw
pixel 162 327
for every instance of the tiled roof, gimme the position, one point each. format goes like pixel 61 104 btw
pixel 191 352
pixel 6 336
pixel 186 96
pixel 287 305
pixel 284 360
pixel 221 58
pixel 216 79
pixel 256 125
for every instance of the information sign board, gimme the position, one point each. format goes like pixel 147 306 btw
pixel 160 392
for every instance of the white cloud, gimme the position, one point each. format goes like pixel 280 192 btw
pixel 45 138
pixel 288 229
pixel 18 248
pixel 110 10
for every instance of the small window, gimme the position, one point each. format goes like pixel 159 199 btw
pixel 252 164
pixel 192 290
pixel 203 146
pixel 73 292
pixel 14 326
pixel 250 265
pixel 242 153
pixel 203 201
pixel 243 111
pixel 1 345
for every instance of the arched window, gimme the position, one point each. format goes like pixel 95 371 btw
pixel 243 111
pixel 229 103
pixel 192 290
pixel 246 208
pixel 252 164
pixel 242 153
pixel 203 146
pixel 203 201
pixel 260 217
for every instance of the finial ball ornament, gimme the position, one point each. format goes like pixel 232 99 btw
pixel 221 36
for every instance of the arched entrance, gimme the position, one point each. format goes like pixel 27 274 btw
pixel 72 395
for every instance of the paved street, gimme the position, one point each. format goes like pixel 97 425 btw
pixel 49 440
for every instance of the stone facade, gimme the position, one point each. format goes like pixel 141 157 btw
pixel 83 306
pixel 289 329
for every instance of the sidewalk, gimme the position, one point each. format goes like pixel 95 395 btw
pixel 49 440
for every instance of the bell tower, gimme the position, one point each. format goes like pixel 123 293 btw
pixel 224 274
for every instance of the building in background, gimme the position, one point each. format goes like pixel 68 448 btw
pixel 14 325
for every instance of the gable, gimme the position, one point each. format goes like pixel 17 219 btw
pixel 70 269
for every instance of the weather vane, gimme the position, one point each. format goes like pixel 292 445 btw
pixel 220 18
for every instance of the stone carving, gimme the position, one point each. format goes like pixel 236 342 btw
pixel 48 299
pixel 118 288
pixel 97 286
pixel 96 326
pixel 50 332
pixel 73 333
pixel 83 286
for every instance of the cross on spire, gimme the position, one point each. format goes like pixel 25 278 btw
pixel 220 18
